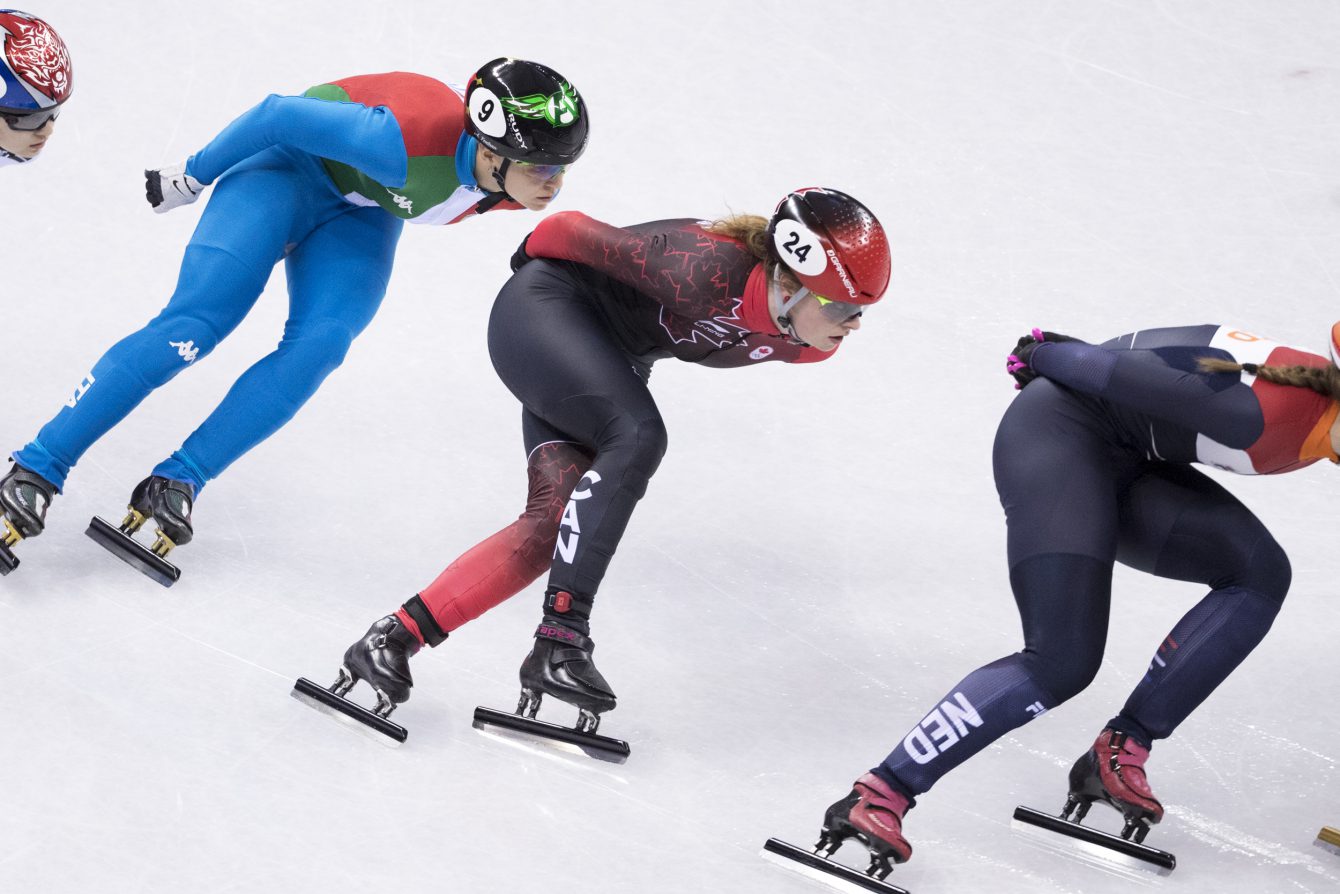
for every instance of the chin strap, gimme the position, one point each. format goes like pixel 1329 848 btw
pixel 495 198
pixel 781 306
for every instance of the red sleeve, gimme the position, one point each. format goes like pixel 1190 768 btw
pixel 689 272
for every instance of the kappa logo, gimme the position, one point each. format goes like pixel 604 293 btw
pixel 760 353
pixel 186 350
pixel 403 202
pixel 566 547
pixel 941 729
pixel 79 392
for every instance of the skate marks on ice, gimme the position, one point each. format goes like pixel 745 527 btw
pixel 1328 839
pixel 1096 843
pixel 823 869
pixel 333 704
pixel 527 730
pixel 119 541
pixel 1229 839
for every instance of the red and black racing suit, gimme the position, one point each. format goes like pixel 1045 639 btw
pixel 573 335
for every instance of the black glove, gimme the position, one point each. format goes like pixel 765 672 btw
pixel 1018 364
pixel 519 257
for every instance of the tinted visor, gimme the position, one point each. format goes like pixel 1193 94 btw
pixel 31 121
pixel 837 311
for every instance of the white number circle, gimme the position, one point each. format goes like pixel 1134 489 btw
pixel 799 247
pixel 487 112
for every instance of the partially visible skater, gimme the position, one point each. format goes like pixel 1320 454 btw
pixel 35 80
pixel 324 181
pixel 1093 463
pixel 573 335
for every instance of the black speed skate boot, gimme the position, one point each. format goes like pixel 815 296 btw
pixel 24 498
pixel 380 658
pixel 872 813
pixel 1113 772
pixel 169 504
pixel 560 665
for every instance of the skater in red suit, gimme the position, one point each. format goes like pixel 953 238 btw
pixel 573 335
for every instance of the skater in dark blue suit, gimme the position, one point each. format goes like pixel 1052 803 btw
pixel 1093 466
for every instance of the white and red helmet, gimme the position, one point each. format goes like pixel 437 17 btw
pixel 35 72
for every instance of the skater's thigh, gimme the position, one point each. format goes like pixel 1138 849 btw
pixel 257 209
pixel 1057 475
pixel 338 274
pixel 553 351
pixel 1178 523
pixel 536 431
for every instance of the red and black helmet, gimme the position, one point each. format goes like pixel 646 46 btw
pixel 832 243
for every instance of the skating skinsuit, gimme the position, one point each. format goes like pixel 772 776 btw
pixel 8 158
pixel 1093 465
pixel 573 338
pixel 324 181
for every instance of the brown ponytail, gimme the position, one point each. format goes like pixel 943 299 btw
pixel 1325 380
pixel 752 230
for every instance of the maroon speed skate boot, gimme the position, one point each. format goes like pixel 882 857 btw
pixel 873 814
pixel 1113 771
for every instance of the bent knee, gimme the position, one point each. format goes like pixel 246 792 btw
pixel 1064 673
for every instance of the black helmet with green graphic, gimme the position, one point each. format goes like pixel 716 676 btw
pixel 526 112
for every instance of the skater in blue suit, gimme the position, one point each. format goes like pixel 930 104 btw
pixel 324 181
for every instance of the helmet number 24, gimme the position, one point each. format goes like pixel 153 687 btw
pixel 799 247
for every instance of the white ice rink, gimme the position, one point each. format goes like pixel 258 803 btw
pixel 821 554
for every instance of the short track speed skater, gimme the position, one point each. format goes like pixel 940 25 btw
pixel 1112 772
pixel 560 664
pixel 169 504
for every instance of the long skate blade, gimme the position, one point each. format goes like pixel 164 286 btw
pixel 1163 860
pixel 822 869
pixel 341 708
pixel 8 561
pixel 599 747
pixel 1328 839
pixel 133 553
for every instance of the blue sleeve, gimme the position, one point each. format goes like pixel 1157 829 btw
pixel 368 139
pixel 1218 406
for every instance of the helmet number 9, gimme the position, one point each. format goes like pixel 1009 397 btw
pixel 483 105
pixel 799 248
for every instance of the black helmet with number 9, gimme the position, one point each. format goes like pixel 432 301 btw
pixel 526 112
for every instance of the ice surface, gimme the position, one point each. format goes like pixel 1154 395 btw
pixel 821 553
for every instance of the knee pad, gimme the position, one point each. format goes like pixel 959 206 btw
pixel 645 442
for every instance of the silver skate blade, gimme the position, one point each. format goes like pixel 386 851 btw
pixel 132 552
pixel 821 869
pixel 8 561
pixel 1095 842
pixel 599 747
pixel 343 710
pixel 1328 839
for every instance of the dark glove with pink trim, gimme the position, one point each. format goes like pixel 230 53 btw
pixel 1017 364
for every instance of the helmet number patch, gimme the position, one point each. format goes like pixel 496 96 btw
pixel 485 112
pixel 799 248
